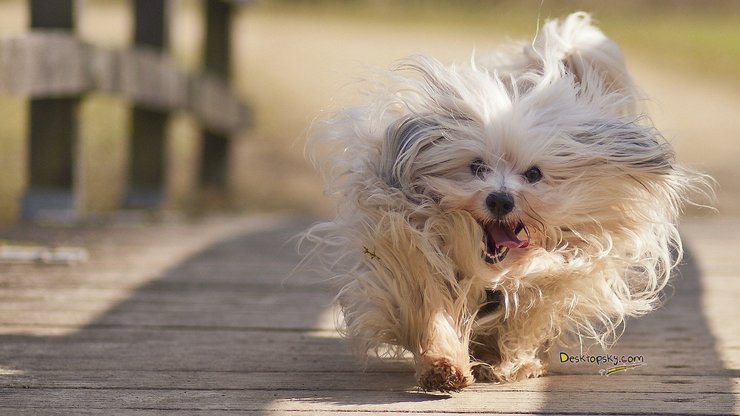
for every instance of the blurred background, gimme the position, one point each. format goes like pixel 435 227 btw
pixel 295 61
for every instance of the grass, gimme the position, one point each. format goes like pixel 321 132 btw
pixel 13 110
pixel 700 44
pixel 700 38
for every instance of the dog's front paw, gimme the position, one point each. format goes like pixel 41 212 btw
pixel 521 370
pixel 484 372
pixel 509 371
pixel 440 374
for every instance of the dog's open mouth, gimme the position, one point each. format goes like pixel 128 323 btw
pixel 500 237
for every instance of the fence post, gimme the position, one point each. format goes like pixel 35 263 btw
pixel 146 169
pixel 53 134
pixel 214 166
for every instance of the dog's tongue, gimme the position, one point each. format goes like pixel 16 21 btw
pixel 504 236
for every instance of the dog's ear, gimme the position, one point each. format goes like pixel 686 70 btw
pixel 573 45
pixel 628 145
pixel 404 139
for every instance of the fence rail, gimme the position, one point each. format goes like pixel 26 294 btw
pixel 50 64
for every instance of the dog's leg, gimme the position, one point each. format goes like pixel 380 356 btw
pixel 379 313
pixel 444 364
pixel 409 297
pixel 514 348
pixel 516 362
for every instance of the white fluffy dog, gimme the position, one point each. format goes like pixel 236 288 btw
pixel 486 210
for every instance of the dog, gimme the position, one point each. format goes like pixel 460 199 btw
pixel 488 210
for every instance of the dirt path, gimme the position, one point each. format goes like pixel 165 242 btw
pixel 296 67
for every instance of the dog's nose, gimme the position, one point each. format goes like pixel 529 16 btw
pixel 500 203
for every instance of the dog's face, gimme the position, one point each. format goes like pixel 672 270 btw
pixel 532 156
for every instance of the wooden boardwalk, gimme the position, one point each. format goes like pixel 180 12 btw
pixel 200 319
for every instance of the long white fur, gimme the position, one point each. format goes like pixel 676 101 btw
pixel 405 245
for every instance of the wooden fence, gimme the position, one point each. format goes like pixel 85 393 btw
pixel 55 69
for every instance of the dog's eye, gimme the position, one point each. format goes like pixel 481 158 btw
pixel 479 168
pixel 533 174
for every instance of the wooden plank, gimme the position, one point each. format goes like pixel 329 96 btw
pixel 401 380
pixel 105 69
pixel 214 103
pixel 151 79
pixel 44 64
pixel 181 349
pixel 82 297
pixel 578 402
pixel 57 278
pixel 247 311
pixel 244 308
pixel 120 261
pixel 122 257
pixel 52 64
pixel 103 345
pixel 20 411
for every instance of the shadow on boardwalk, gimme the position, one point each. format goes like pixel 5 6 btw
pixel 225 331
